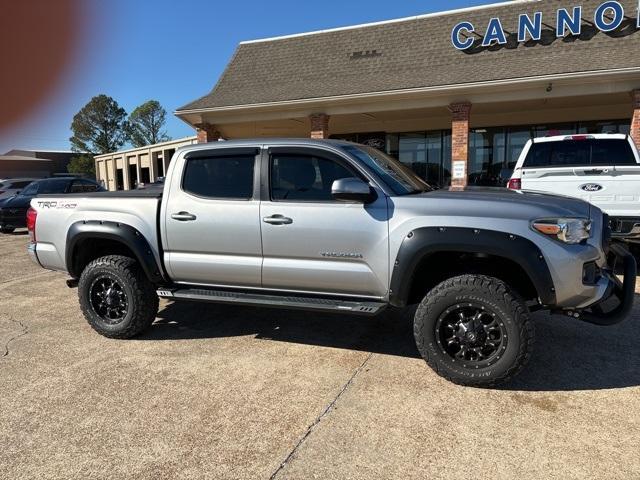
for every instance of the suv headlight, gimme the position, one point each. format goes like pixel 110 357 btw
pixel 567 230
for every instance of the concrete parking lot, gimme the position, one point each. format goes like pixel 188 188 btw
pixel 222 392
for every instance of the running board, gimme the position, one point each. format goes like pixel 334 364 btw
pixel 277 301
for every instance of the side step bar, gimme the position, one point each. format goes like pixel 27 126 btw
pixel 276 301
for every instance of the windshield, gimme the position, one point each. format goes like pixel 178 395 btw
pixel 400 178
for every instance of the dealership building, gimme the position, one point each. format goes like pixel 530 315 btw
pixel 451 94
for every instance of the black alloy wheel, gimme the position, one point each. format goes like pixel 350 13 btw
pixel 472 334
pixel 108 299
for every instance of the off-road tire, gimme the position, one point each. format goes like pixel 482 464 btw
pixel 141 295
pixel 7 229
pixel 496 296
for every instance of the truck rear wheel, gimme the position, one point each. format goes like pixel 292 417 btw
pixel 473 330
pixel 116 297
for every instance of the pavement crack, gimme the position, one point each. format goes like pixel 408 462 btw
pixel 24 330
pixel 317 421
pixel 26 277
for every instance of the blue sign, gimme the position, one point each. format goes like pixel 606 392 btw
pixel 606 18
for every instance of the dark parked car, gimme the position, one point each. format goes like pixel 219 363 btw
pixel 13 210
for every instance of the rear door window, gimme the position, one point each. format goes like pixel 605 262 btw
pixel 224 177
pixel 576 153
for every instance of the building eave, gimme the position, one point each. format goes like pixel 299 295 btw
pixel 460 90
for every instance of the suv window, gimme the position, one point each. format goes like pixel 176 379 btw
pixel 53 186
pixel 304 177
pixel 586 152
pixel 220 177
pixel 31 189
pixel 81 185
pixel 20 184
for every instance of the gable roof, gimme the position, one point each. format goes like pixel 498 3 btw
pixel 417 52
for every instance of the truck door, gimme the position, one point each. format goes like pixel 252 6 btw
pixel 310 241
pixel 211 218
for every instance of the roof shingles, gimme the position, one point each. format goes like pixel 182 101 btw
pixel 415 53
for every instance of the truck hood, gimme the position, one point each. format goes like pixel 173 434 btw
pixel 496 202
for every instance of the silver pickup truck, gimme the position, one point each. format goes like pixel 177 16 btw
pixel 334 226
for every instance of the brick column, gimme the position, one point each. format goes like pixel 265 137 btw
pixel 319 125
pixel 207 133
pixel 460 113
pixel 635 119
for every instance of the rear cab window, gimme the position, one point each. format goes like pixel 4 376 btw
pixel 579 153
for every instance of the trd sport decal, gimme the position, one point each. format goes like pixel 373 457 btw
pixel 56 204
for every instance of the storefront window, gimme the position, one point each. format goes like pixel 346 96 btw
pixel 426 153
pixel 493 151
pixel 555 129
pixel 486 155
pixel 613 126
pixel 516 140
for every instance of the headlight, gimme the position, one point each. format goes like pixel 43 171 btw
pixel 567 230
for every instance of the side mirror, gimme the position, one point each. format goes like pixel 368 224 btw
pixel 18 192
pixel 352 190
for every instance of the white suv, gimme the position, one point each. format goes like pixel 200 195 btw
pixel 603 169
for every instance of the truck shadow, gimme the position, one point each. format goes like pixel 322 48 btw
pixel 569 355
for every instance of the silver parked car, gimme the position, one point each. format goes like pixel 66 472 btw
pixel 332 226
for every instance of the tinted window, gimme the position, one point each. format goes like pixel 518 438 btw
pixel 569 153
pixel 20 184
pixel 31 189
pixel 304 177
pixel 612 152
pixel 53 186
pixel 79 186
pixel 220 177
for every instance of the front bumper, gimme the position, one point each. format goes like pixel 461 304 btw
pixel 625 228
pixel 623 291
pixel 13 217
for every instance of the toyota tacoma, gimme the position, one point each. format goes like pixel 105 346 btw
pixel 333 226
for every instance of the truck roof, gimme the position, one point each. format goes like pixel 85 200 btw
pixel 249 142
pixel 581 136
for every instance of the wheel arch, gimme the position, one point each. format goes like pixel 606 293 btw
pixel 429 255
pixel 91 239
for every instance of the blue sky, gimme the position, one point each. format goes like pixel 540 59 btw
pixel 175 50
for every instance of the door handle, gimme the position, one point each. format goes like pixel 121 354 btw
pixel 277 219
pixel 595 171
pixel 183 216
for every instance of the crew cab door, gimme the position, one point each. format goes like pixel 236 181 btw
pixel 311 242
pixel 211 218
pixel 602 171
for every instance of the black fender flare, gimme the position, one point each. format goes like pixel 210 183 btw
pixel 116 231
pixel 426 241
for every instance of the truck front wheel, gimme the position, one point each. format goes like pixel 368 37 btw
pixel 473 330
pixel 116 297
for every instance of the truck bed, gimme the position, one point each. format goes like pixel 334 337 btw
pixel 56 214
